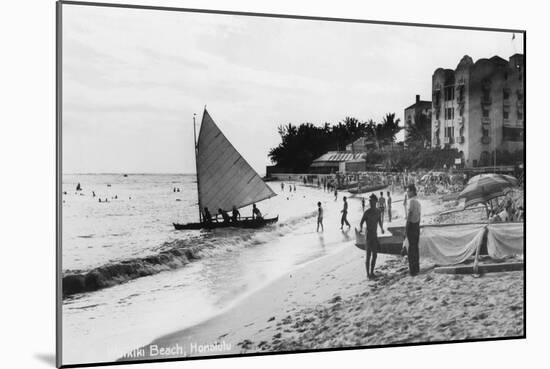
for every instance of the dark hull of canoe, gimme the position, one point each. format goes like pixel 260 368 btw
pixel 367 189
pixel 244 223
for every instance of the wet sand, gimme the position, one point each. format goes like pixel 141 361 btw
pixel 329 303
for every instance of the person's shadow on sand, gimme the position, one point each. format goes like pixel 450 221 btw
pixel 46 358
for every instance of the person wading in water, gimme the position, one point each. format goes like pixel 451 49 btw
pixel 372 218
pixel 344 212
pixel 320 217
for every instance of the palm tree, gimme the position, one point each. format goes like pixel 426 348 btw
pixel 419 131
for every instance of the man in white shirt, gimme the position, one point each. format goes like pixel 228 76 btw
pixel 412 229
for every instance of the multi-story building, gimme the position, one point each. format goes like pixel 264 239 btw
pixel 478 108
pixel 419 107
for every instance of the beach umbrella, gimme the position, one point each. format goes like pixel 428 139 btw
pixel 504 177
pixel 484 188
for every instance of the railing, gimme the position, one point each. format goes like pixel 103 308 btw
pixel 460 139
pixel 485 140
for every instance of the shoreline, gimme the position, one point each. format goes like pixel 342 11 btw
pixel 329 303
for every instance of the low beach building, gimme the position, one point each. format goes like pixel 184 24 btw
pixel 478 108
pixel 335 161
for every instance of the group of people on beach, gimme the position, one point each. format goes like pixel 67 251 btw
pixel 225 218
pixel 373 217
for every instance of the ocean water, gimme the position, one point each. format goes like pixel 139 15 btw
pixel 129 277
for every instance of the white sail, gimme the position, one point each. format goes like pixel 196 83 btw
pixel 224 178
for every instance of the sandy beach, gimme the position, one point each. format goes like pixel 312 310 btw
pixel 329 303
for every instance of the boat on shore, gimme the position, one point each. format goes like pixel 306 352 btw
pixel 247 222
pixel 224 181
pixel 359 190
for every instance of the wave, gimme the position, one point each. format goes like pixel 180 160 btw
pixel 173 255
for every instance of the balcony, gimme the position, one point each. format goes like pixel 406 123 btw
pixel 460 139
pixel 437 123
pixel 486 100
pixel 460 121
pixel 485 140
pixel 486 120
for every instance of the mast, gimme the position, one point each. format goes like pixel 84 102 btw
pixel 197 164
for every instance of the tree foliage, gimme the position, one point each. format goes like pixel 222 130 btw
pixel 300 145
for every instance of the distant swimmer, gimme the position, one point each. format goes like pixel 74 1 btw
pixel 78 188
pixel 225 216
pixel 174 190
pixel 93 194
pixel 116 197
pixel 256 214
pixel 235 215
pixel 282 186
pixel 207 217
pixel 99 199
pixel 372 218
pixel 320 217
pixel 344 212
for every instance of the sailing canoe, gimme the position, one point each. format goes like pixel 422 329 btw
pixel 225 179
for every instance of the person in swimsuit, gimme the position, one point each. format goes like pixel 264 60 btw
pixel 372 219
pixel 235 215
pixel 207 217
pixel 344 212
pixel 225 216
pixel 320 217
pixel 256 214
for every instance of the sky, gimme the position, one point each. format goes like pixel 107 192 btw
pixel 133 79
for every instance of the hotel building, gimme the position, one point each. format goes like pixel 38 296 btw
pixel 478 108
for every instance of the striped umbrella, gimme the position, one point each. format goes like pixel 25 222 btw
pixel 512 180
pixel 485 187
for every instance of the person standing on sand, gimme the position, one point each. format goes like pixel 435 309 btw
pixel 372 218
pixel 405 202
pixel 389 206
pixel 363 204
pixel 335 194
pixel 320 217
pixel 344 212
pixel 382 206
pixel 412 230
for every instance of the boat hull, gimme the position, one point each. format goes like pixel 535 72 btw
pixel 387 245
pixel 243 223
pixel 356 190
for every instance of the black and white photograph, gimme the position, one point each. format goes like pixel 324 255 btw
pixel 234 183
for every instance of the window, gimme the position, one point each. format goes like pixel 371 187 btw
pixel 520 114
pixel 449 93
pixel 485 131
pixel 485 112
pixel 505 94
pixel 449 132
pixel 449 113
pixel 461 93
pixel 505 114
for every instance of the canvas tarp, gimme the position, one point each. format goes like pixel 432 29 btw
pixel 505 239
pixel 453 244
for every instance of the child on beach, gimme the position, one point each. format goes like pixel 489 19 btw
pixel 372 218
pixel 320 217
